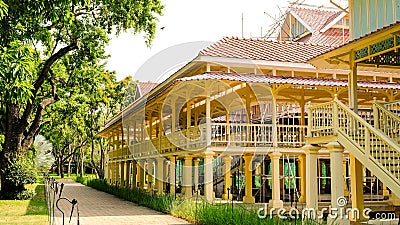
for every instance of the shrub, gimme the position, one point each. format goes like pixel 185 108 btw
pixel 18 173
pixel 195 211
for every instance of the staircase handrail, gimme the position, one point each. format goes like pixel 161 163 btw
pixel 371 146
pixel 386 104
pixel 379 133
pixel 372 129
pixel 381 109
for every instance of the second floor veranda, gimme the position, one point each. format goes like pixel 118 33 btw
pixel 228 113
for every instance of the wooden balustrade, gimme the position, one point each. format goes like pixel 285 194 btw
pixel 223 134
pixel 376 147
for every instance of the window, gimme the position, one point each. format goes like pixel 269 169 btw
pixel 289 172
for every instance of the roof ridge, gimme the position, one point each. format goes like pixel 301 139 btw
pixel 314 8
pixel 332 18
pixel 278 41
pixel 148 82
pixel 264 49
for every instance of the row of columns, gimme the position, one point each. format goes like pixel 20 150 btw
pixel 132 174
pixel 338 187
pixel 120 172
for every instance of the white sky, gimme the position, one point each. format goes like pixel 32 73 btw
pixel 189 20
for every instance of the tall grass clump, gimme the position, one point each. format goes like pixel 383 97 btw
pixel 157 202
pixel 193 210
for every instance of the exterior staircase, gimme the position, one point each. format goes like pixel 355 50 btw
pixel 375 146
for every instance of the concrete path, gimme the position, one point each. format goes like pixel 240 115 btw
pixel 96 207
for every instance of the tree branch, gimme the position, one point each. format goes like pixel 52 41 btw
pixel 61 80
pixel 42 77
pixel 33 129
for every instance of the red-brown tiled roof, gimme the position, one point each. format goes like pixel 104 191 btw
pixel 316 18
pixel 331 18
pixel 397 23
pixel 263 49
pixel 333 36
pixel 268 79
pixel 146 87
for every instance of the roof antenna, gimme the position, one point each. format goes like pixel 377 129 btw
pixel 242 25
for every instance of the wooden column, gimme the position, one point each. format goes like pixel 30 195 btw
pixel 311 177
pixel 127 173
pixel 248 197
pixel 353 98
pixel 228 127
pixel 248 114
pixel 172 174
pixel 196 174
pixel 275 202
pixel 117 173
pixel 274 123
pixel 227 178
pixel 150 174
pixel 337 190
pixel 188 123
pixel 208 114
pixel 208 175
pixel 141 174
pixel 134 136
pixel 160 175
pixel 109 176
pixel 187 176
pixel 356 178
pixel 122 172
pixel 173 117
pixel 134 174
pixel 303 175
pixel 160 128
pixel 346 191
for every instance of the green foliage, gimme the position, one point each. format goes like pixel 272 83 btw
pixel 1 141
pixel 53 51
pixel 3 9
pixel 18 173
pixel 17 62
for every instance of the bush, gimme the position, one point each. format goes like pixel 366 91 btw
pixel 18 173
pixel 195 211
pixel 19 195
pixel 160 203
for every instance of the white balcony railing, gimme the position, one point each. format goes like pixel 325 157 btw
pixel 222 134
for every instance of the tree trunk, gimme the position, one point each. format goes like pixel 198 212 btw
pixel 69 167
pixel 99 169
pixel 11 146
pixel 4 163
pixel 101 175
pixel 20 131
pixel 76 166
pixel 82 164
pixel 62 169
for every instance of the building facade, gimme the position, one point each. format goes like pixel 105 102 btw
pixel 257 120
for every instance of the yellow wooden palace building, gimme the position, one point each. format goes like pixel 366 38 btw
pixel 310 117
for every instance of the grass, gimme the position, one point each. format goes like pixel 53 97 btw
pixel 195 211
pixel 25 211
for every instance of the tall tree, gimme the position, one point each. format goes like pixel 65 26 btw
pixel 54 29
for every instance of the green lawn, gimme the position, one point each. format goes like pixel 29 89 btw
pixel 25 211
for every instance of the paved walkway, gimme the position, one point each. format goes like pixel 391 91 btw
pixel 96 207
